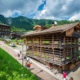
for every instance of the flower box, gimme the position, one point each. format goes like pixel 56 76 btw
pixel 29 41
pixel 35 42
pixel 45 56
pixel 68 57
pixel 36 53
pixel 46 42
pixel 56 42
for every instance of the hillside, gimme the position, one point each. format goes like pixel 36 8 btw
pixel 23 22
pixel 26 23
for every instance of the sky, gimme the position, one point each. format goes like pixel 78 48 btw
pixel 41 9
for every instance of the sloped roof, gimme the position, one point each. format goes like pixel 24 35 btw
pixel 4 25
pixel 37 26
pixel 53 29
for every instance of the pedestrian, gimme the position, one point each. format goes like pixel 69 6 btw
pixel 24 57
pixel 18 55
pixel 27 59
pixel 20 51
pixel 64 75
pixel 28 65
pixel 71 78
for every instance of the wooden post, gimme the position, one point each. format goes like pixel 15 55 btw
pixel 53 46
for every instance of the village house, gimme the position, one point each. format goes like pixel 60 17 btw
pixel 5 30
pixel 16 35
pixel 57 45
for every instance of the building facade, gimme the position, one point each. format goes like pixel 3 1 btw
pixel 57 45
pixel 4 30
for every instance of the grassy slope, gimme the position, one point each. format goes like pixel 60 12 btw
pixel 10 69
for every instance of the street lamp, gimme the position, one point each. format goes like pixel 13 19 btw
pixel 22 52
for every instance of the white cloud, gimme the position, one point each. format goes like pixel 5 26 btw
pixel 59 9
pixel 22 6
pixel 53 9
pixel 75 17
pixel 8 13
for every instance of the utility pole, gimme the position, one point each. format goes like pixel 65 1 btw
pixel 22 52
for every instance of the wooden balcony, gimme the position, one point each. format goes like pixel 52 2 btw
pixel 76 34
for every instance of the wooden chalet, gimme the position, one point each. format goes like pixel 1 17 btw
pixel 5 30
pixel 39 28
pixel 57 45
pixel 16 35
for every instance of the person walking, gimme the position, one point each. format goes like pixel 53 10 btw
pixel 18 55
pixel 28 65
pixel 64 75
pixel 20 52
pixel 27 59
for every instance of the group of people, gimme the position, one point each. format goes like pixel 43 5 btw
pixel 28 63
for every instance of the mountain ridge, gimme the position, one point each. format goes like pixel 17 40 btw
pixel 22 22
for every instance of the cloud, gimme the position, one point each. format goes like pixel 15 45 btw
pixel 24 7
pixel 41 9
pixel 59 9
pixel 42 15
pixel 75 17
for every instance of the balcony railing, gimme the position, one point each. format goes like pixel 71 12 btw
pixel 76 34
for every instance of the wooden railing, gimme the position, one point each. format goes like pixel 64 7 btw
pixel 76 34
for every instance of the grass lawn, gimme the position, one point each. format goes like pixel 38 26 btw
pixel 11 69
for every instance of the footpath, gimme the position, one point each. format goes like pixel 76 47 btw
pixel 37 68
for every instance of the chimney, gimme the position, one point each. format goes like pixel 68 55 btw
pixel 53 24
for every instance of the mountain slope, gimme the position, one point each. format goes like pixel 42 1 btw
pixel 28 24
pixel 23 22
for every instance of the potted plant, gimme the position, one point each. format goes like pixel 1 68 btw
pixel 63 43
pixel 45 56
pixel 29 41
pixel 36 54
pixel 68 42
pixel 28 52
pixel 68 57
pixel 79 57
pixel 56 42
pixel 35 42
pixel 46 42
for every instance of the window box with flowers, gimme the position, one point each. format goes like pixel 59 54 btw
pixel 46 42
pixel 28 52
pixel 56 42
pixel 36 42
pixel 36 53
pixel 69 43
pixel 68 57
pixel 45 56
pixel 29 42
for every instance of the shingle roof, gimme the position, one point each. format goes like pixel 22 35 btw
pixel 53 29
pixel 4 25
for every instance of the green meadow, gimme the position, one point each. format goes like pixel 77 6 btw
pixel 11 69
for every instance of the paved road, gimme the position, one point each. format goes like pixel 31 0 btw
pixel 38 69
